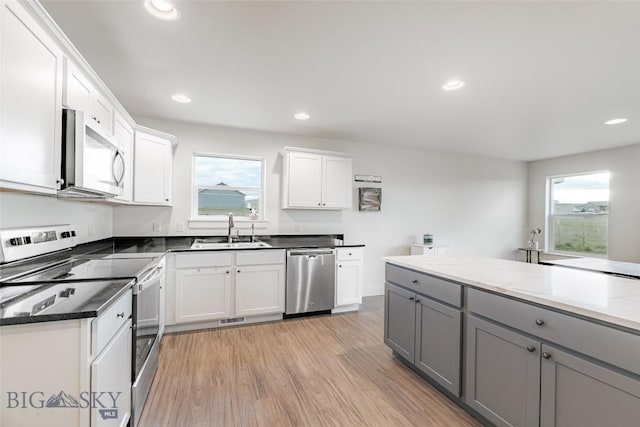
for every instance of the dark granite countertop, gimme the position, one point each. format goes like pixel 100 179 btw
pixel 89 299
pixel 159 245
pixel 626 269
pixel 95 296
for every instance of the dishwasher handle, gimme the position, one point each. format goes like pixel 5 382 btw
pixel 310 253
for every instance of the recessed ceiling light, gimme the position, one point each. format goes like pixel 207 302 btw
pixel 615 121
pixel 301 116
pixel 162 9
pixel 453 85
pixel 181 97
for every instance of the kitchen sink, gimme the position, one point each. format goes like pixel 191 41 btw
pixel 204 244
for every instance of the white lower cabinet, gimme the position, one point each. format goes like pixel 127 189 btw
pixel 71 373
pixel 349 276
pixel 203 294
pixel 260 289
pixel 219 285
pixel 111 381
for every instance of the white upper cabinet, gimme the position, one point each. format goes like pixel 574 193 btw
pixel 316 180
pixel 152 170
pixel 123 134
pixel 30 103
pixel 80 94
pixel 336 182
pixel 304 180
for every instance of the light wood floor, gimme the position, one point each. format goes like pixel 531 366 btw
pixel 313 371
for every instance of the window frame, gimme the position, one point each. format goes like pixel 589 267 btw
pixel 196 218
pixel 549 242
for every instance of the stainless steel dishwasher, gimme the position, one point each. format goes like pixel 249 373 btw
pixel 311 280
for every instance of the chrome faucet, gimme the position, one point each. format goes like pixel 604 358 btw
pixel 231 225
pixel 253 232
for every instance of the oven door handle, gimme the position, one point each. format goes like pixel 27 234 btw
pixel 150 278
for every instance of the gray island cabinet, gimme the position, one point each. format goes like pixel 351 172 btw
pixel 513 361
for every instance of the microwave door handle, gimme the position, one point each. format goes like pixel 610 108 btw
pixel 121 155
pixel 113 168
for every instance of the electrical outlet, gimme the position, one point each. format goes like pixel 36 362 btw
pixel 156 226
pixel 179 226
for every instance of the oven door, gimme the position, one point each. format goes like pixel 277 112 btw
pixel 146 336
pixel 147 313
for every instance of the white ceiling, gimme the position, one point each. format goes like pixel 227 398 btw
pixel 542 77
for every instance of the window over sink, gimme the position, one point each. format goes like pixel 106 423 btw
pixel 578 214
pixel 225 183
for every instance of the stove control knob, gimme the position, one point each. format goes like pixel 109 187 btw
pixel 15 241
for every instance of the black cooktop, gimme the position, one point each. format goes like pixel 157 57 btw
pixel 78 269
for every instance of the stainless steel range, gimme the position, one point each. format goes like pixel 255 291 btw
pixel 32 291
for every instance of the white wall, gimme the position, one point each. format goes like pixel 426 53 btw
pixel 475 205
pixel 624 203
pixel 92 221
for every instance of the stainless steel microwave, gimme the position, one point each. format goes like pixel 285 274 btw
pixel 92 163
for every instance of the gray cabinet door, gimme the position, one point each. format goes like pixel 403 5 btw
pixel 399 320
pixel 502 374
pixel 576 392
pixel 437 349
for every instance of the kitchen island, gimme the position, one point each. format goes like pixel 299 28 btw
pixel 516 343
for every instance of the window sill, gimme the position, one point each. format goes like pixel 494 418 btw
pixel 223 224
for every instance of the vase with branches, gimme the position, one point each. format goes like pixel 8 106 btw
pixel 532 243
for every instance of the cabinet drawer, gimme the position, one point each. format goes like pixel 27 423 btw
pixel 440 289
pixel 347 254
pixel 109 322
pixel 204 259
pixel 260 257
pixel 610 345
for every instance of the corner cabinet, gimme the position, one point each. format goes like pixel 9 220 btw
pixel 80 94
pixel 153 166
pixel 30 114
pixel 314 179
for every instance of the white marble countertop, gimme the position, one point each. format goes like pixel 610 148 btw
pixel 607 298
pixel 599 264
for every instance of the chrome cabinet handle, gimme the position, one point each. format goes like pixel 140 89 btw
pixel 227 271
pixel 417 300
pixel 546 355
pixel 238 271
pixel 411 298
pixel 319 204
pixel 121 314
pixel 414 281
pixel 531 348
pixel 539 322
